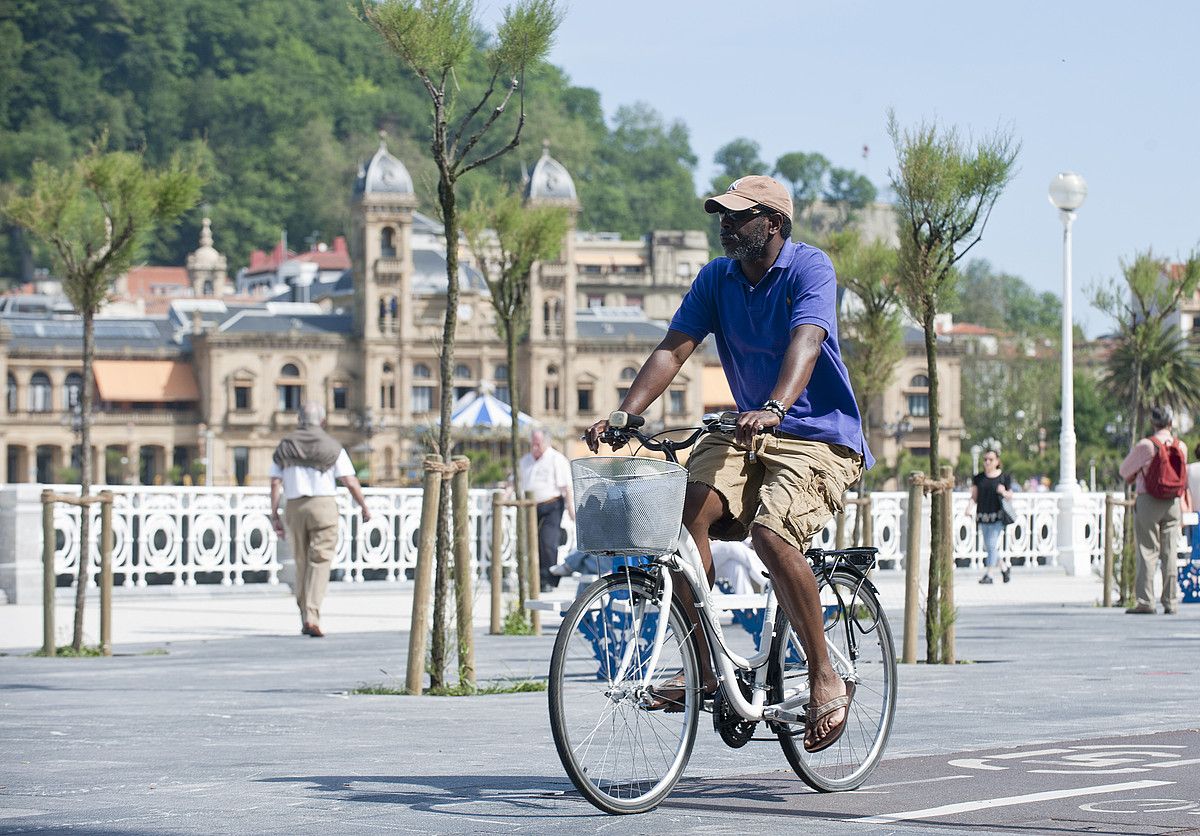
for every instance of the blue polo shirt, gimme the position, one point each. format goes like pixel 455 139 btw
pixel 753 326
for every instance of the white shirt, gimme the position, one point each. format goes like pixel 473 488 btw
pixel 548 477
pixel 1193 472
pixel 308 481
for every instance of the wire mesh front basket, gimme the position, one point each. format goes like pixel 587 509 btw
pixel 626 505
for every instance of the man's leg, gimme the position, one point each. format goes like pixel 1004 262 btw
pixel 549 524
pixel 796 589
pixel 702 507
pixel 1145 527
pixel 296 516
pixel 322 548
pixel 1168 528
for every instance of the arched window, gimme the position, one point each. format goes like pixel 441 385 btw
pixel 462 371
pixel 500 378
pixel 290 388
pixel 628 373
pixel 39 392
pixel 389 310
pixel 10 402
pixel 552 317
pixel 420 370
pixel 919 381
pixel 387 387
pixel 73 391
pixel 387 242
pixel 550 393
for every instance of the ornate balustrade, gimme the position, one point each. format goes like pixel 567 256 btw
pixel 188 536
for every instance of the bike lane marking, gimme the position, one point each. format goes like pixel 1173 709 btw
pixel 1008 801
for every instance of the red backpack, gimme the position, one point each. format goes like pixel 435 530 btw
pixel 1166 477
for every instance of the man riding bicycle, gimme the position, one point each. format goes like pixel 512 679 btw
pixel 771 306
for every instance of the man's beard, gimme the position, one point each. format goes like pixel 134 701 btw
pixel 750 246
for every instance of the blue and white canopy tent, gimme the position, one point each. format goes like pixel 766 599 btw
pixel 481 410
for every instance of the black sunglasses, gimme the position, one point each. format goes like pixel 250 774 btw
pixel 743 215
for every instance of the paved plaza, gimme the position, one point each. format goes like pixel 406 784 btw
pixel 216 716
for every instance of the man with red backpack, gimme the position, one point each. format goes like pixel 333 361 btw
pixel 1158 466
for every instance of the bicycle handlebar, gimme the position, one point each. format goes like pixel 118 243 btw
pixel 623 427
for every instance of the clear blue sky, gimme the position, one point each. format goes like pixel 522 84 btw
pixel 1106 89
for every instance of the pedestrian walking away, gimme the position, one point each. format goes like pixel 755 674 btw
pixel 988 490
pixel 305 469
pixel 771 306
pixel 1157 466
pixel 546 474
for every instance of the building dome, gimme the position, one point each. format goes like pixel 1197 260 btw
pixel 549 180
pixel 384 174
pixel 206 257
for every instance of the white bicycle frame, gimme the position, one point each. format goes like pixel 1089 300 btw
pixel 686 560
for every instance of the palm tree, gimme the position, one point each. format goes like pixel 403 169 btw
pixel 1152 365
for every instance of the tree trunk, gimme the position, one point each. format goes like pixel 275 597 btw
pixel 438 645
pixel 934 624
pixel 514 437
pixel 85 479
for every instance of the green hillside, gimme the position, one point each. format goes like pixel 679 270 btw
pixel 284 98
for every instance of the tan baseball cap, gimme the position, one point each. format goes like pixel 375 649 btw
pixel 752 190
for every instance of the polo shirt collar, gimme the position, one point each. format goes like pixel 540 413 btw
pixel 782 261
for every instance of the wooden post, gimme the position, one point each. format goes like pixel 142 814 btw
pixel 868 523
pixel 947 499
pixel 418 635
pixel 497 568
pixel 912 566
pixel 1108 550
pixel 464 589
pixel 839 530
pixel 106 571
pixel 49 648
pixel 534 570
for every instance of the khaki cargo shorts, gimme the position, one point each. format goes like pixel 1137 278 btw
pixel 793 488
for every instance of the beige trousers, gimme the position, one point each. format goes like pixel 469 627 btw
pixel 1156 526
pixel 312 523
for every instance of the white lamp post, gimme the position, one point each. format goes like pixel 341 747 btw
pixel 1067 192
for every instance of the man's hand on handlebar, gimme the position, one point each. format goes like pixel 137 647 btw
pixel 592 436
pixel 750 424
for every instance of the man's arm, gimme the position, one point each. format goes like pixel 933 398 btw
pixel 1138 458
pixel 798 365
pixel 276 493
pixel 652 380
pixel 352 485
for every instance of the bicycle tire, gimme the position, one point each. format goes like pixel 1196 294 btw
pixel 846 764
pixel 621 755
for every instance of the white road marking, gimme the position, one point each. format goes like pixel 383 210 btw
pixel 910 783
pixel 1009 801
pixel 981 763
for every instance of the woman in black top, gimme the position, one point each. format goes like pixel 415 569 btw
pixel 987 488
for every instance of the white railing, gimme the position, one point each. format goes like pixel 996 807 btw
pixel 186 536
pixel 189 536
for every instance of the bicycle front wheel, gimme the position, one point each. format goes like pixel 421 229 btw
pixel 860 646
pixel 624 732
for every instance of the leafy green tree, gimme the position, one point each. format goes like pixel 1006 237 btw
pixel 1150 362
pixel 945 190
pixel 873 338
pixel 737 158
pixel 1005 302
pixel 848 191
pixel 95 214
pixel 507 239
pixel 436 41
pixel 805 174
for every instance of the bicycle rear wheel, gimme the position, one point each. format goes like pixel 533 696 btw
pixel 619 746
pixel 860 646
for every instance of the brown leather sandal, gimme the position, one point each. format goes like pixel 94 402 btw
pixel 815 715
